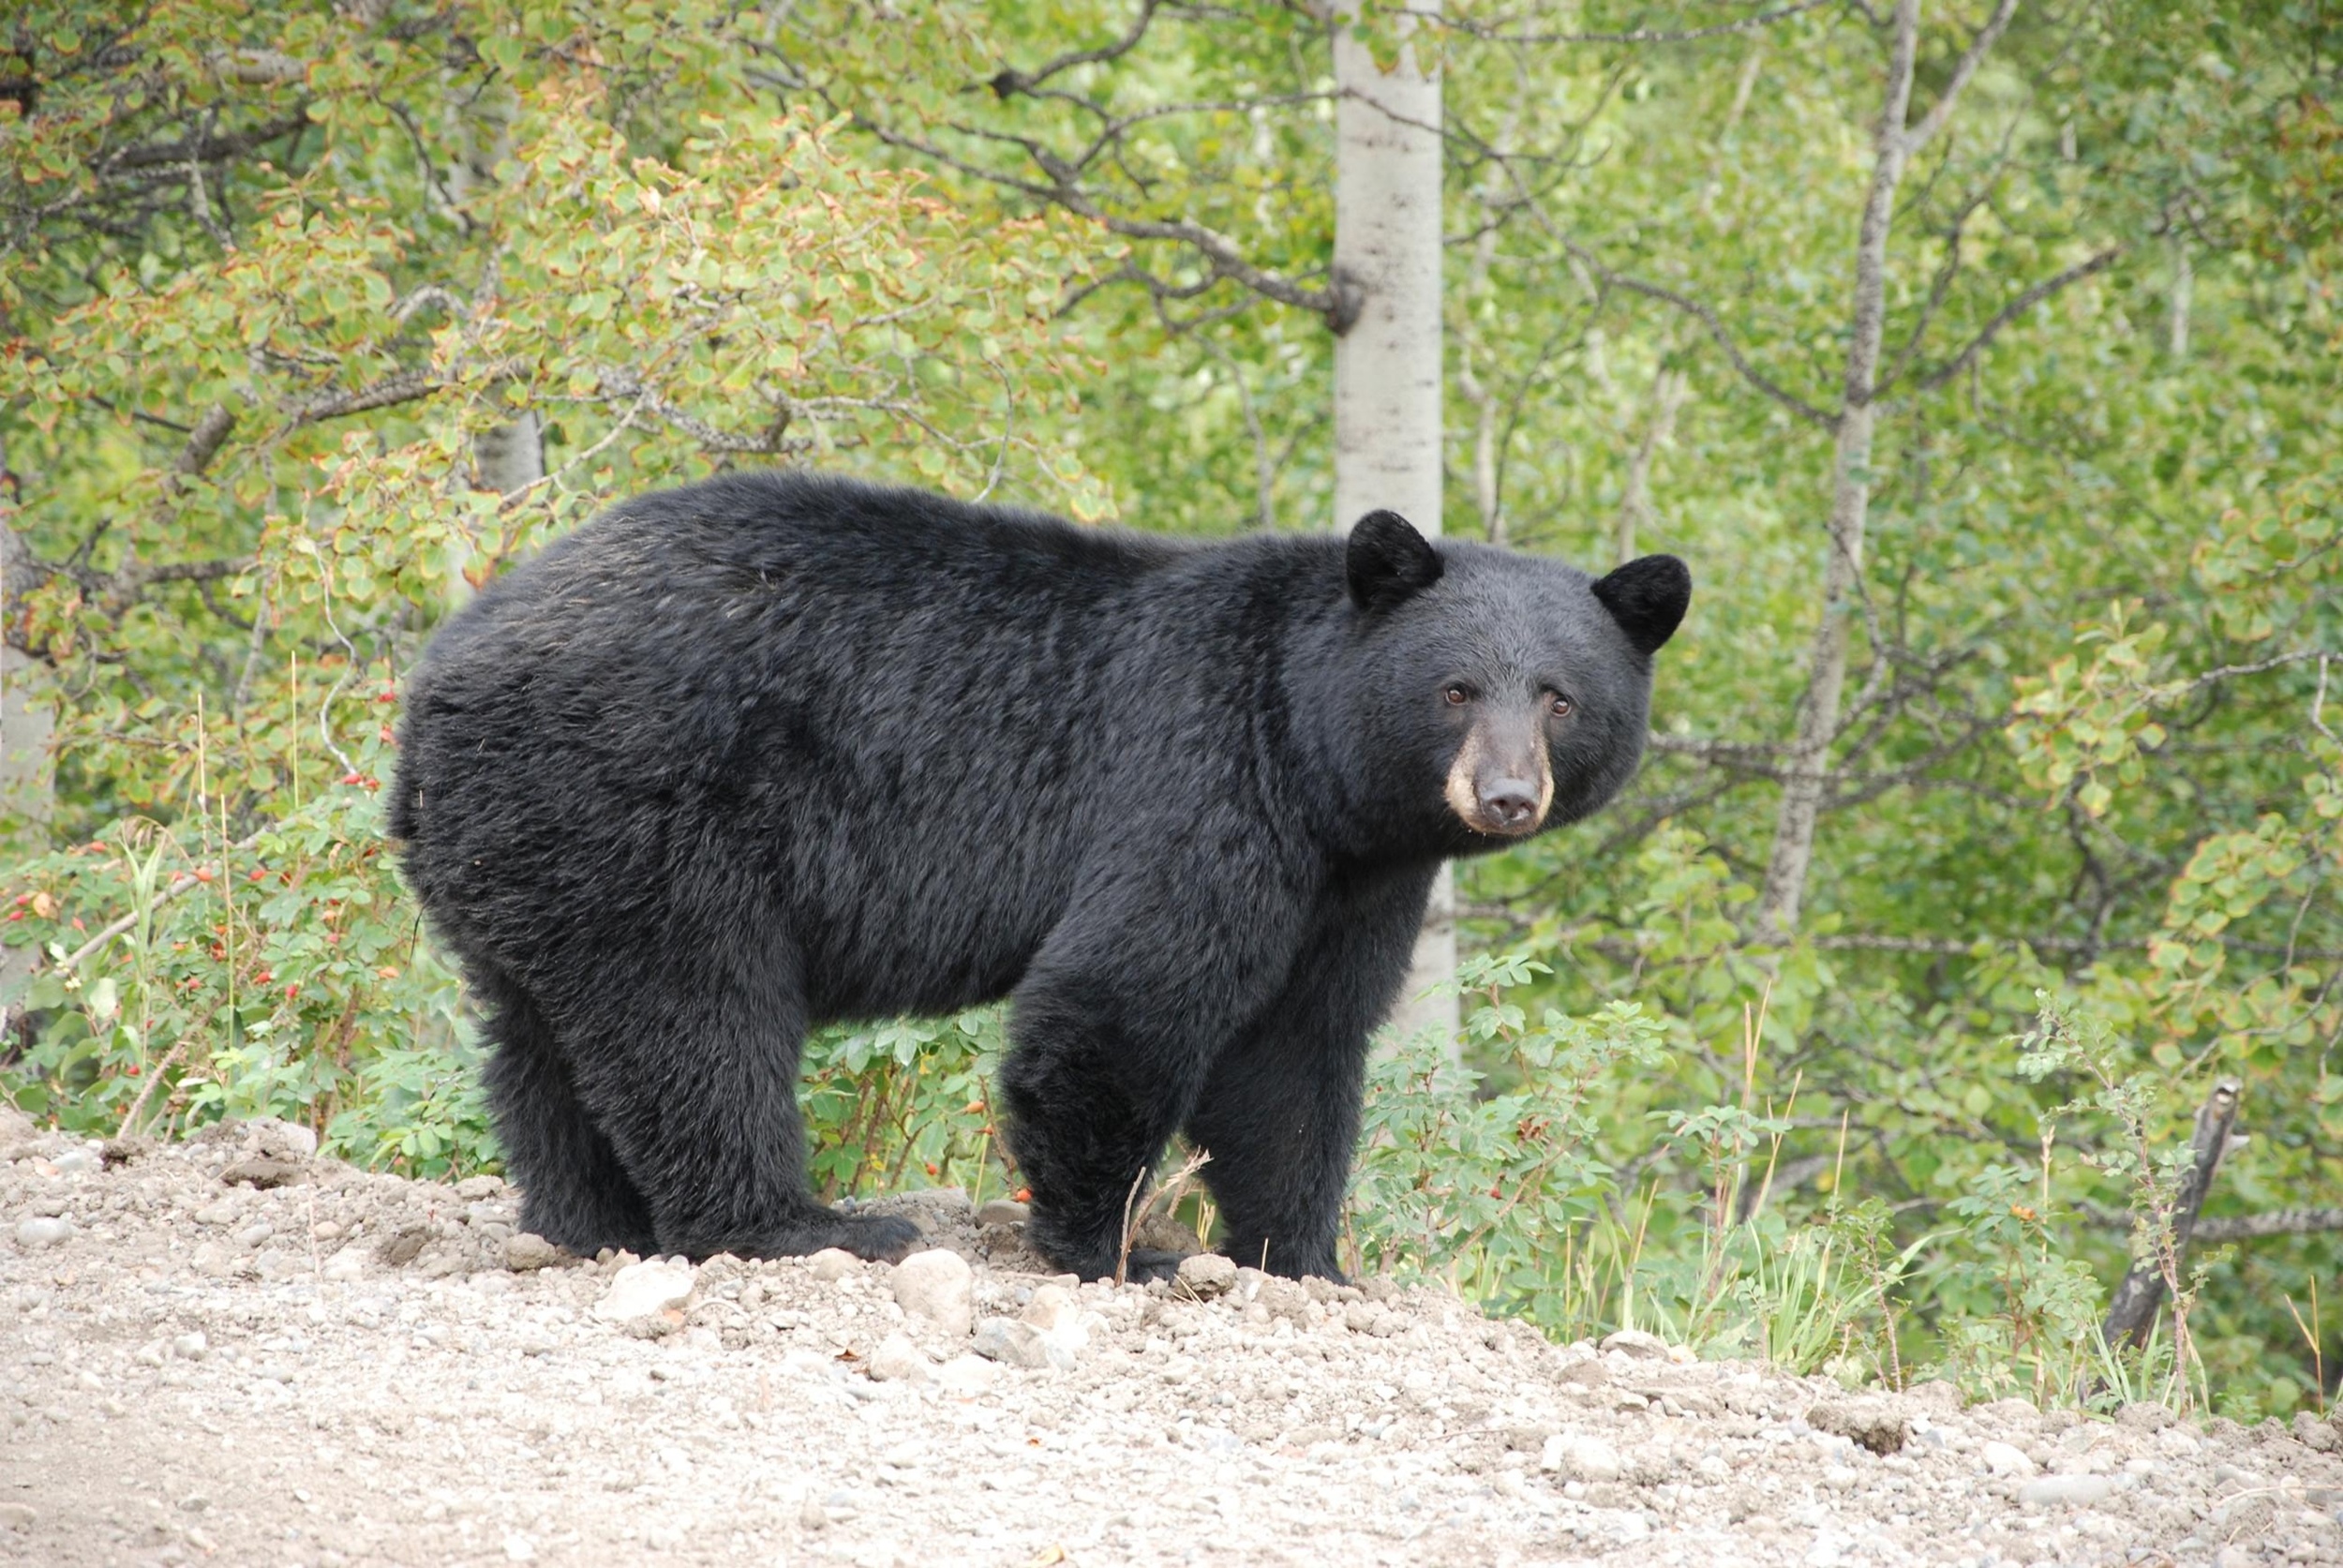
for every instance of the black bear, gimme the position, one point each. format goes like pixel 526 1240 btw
pixel 773 749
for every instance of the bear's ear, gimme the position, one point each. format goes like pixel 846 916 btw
pixel 1647 597
pixel 1389 562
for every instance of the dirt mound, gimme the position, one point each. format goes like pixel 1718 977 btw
pixel 231 1350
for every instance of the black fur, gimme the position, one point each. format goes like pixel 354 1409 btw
pixel 774 749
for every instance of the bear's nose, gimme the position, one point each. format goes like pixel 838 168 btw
pixel 1509 803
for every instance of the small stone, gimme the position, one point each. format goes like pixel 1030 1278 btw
pixel 277 1139
pixel 253 1236
pixel 519 1548
pixel 192 1345
pixel 35 1235
pixel 1577 1457
pixel 1935 1396
pixel 264 1174
pixel 640 1292
pixel 833 1264
pixel 898 1360
pixel 525 1252
pixel 1588 1373
pixel 1020 1344
pixel 1052 1309
pixel 1636 1343
pixel 1878 1424
pixel 1004 1211
pixel 403 1246
pixel 2004 1459
pixel 938 1287
pixel 1207 1275
pixel 967 1374
pixel 2074 1491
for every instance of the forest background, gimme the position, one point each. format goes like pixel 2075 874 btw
pixel 1981 359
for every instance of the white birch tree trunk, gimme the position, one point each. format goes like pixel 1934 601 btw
pixel 1387 354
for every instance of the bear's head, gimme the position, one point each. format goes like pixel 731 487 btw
pixel 1504 693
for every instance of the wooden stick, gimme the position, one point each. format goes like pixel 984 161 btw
pixel 2132 1310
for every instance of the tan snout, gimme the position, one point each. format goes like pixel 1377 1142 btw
pixel 1500 785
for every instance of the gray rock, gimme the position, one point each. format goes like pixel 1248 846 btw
pixel 280 1138
pixel 525 1252
pixel 938 1287
pixel 1020 1344
pixel 264 1174
pixel 51 1230
pixel 1003 1211
pixel 1207 1275
pixel 1878 1424
pixel 1635 1342
pixel 403 1246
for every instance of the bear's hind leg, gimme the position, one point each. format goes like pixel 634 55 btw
pixel 573 1191
pixel 694 1076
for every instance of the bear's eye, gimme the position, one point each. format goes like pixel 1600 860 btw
pixel 1558 704
pixel 1457 695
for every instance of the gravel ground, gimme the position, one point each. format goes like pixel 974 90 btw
pixel 231 1350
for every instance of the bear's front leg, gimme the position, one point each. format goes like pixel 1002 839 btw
pixel 1114 1031
pixel 1279 1113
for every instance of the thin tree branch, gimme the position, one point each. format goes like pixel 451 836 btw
pixel 1919 136
pixel 2014 309
pixel 1643 34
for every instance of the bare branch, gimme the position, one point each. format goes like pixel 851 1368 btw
pixel 2272 1222
pixel 1964 68
pixel 1010 82
pixel 1644 34
pixel 406 387
pixel 208 149
pixel 2014 309
pixel 1708 319
pixel 204 441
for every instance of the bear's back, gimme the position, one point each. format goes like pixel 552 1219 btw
pixel 798 686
